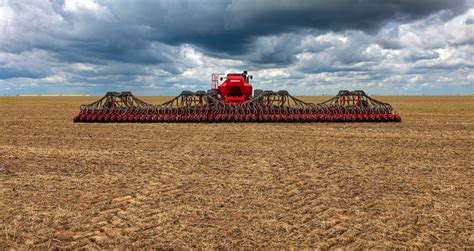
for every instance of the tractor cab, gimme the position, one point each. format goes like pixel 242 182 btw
pixel 235 88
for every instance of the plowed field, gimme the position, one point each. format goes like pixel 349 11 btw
pixel 68 185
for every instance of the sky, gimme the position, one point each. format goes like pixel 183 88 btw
pixel 309 47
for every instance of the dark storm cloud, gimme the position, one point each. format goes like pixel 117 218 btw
pixel 139 42
pixel 231 26
pixel 123 30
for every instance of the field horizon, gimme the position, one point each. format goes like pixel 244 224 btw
pixel 72 95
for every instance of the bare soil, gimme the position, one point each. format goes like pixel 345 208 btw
pixel 395 185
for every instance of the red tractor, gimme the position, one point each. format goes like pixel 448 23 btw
pixel 232 101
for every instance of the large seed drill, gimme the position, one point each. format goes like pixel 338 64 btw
pixel 232 101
